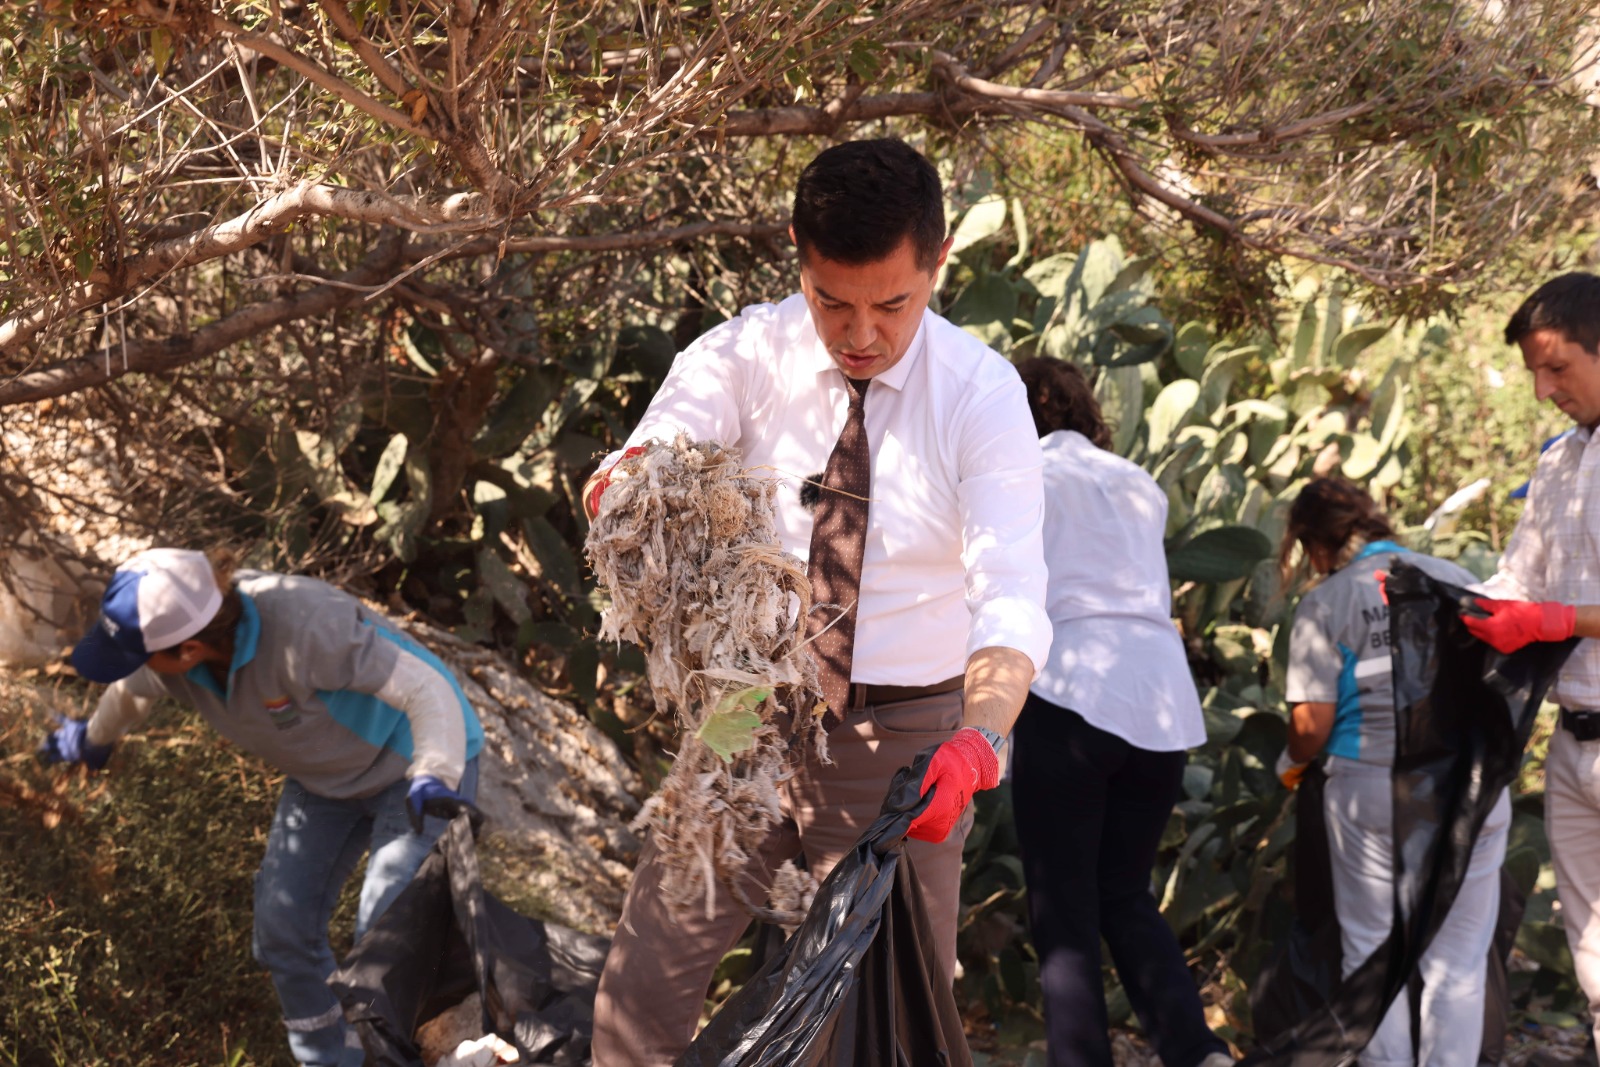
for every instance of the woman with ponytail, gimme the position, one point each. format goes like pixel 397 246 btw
pixel 1341 698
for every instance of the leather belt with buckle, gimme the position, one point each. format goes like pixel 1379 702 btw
pixel 862 696
pixel 1583 725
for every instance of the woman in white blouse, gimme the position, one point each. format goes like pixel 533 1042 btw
pixel 1100 745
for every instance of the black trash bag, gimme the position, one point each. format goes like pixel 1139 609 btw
pixel 1463 715
pixel 858 982
pixel 1302 974
pixel 443 939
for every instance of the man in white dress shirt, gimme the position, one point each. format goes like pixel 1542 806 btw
pixel 1552 564
pixel 949 623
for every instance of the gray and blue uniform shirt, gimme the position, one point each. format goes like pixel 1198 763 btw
pixel 1339 651
pixel 327 691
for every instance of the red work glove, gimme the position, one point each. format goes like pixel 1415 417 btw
pixel 1510 624
pixel 597 488
pixel 960 767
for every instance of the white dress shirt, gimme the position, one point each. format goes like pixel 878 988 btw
pixel 1117 659
pixel 953 557
pixel 1554 554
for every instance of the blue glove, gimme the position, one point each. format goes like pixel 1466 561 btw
pixel 429 796
pixel 69 743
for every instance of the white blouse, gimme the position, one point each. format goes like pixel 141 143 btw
pixel 1116 658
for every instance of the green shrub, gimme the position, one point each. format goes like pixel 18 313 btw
pixel 125 902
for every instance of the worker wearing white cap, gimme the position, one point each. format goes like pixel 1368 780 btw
pixel 376 738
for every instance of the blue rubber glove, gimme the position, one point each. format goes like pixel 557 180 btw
pixel 429 796
pixel 69 743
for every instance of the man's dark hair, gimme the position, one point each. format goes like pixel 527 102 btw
pixel 856 202
pixel 1569 305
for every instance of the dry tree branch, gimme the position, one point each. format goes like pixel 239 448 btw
pixel 615 242
pixel 346 25
pixel 168 353
pixel 309 69
pixel 459 212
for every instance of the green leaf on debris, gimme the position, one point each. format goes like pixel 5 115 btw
pixel 731 728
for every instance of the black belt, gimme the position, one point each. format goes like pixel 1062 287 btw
pixel 862 696
pixel 1583 725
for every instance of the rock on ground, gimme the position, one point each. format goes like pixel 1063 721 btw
pixel 557 793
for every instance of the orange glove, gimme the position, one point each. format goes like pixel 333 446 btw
pixel 1510 624
pixel 960 767
pixel 598 485
pixel 1288 771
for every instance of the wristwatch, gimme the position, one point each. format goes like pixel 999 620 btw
pixel 994 739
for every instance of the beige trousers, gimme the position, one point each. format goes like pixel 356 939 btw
pixel 657 972
pixel 1572 821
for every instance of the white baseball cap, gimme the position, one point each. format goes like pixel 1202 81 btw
pixel 156 600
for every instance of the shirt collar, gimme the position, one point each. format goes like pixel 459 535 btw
pixel 1376 547
pixel 246 636
pixel 895 377
pixel 1063 441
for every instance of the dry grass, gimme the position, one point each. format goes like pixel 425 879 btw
pixel 687 548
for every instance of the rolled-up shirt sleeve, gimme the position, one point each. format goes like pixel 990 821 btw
pixel 1001 500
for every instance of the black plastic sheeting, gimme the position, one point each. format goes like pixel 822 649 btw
pixel 444 938
pixel 857 983
pixel 1464 713
pixel 1302 974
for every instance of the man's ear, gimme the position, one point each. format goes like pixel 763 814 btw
pixel 944 253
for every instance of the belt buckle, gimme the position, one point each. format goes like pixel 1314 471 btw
pixel 1583 725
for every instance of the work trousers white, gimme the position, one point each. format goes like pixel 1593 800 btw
pixel 1572 821
pixel 1359 802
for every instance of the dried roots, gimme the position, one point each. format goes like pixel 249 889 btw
pixel 688 549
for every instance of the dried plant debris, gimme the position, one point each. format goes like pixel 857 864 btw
pixel 687 547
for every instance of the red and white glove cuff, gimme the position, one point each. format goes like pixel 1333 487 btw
pixel 597 488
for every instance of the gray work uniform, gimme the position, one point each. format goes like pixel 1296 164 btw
pixel 1339 651
pixel 306 692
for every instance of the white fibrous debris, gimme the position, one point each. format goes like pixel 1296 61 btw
pixel 686 545
pixel 793 890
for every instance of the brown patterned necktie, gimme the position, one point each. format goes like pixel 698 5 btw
pixel 838 541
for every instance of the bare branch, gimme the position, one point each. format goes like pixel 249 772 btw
pixel 348 28
pixel 266 46
pixel 1052 99
pixel 161 355
pixel 457 213
pixel 614 242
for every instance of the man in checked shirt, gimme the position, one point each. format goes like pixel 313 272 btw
pixel 1552 566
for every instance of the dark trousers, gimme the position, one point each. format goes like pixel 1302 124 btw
pixel 1090 812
